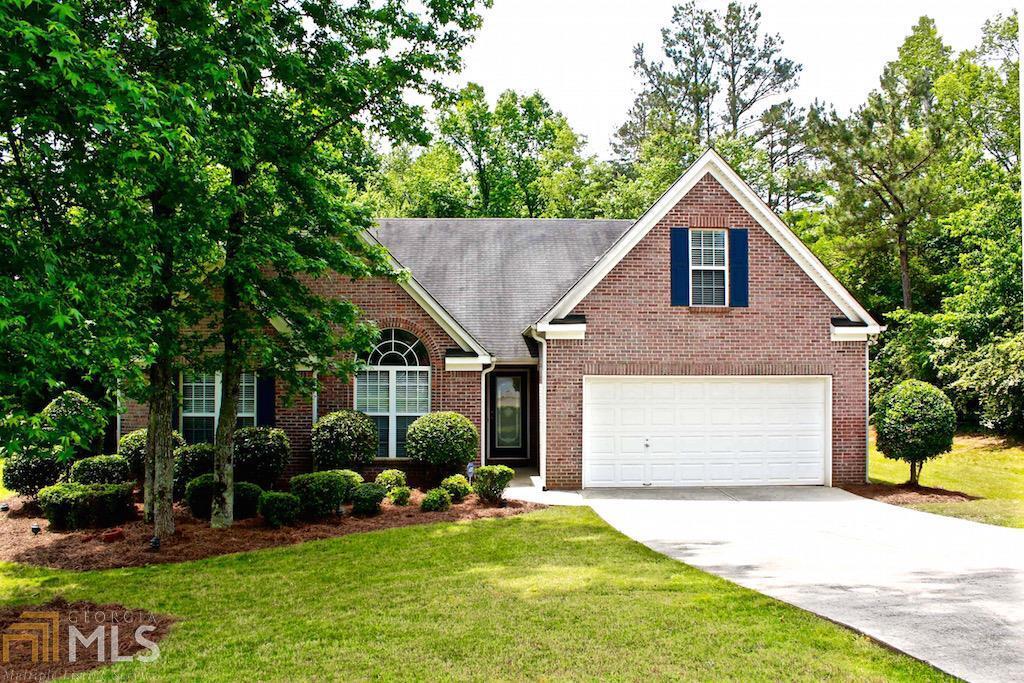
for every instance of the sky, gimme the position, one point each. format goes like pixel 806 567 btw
pixel 578 53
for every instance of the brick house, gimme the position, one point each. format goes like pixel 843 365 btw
pixel 702 344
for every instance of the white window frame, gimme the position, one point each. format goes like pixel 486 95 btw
pixel 393 414
pixel 724 267
pixel 218 388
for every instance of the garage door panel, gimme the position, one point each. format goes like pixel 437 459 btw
pixel 692 431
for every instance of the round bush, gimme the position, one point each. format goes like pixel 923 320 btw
pixel 261 454
pixel 132 447
pixel 28 472
pixel 72 412
pixel 458 486
pixel 344 438
pixel 321 494
pixel 189 463
pixel 915 422
pixel 436 500
pixel 352 480
pixel 490 481
pixel 247 499
pixel 199 495
pixel 278 508
pixel 400 495
pixel 101 469
pixel 76 506
pixel 447 440
pixel 366 499
pixel 391 479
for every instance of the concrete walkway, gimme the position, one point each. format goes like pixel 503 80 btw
pixel 944 590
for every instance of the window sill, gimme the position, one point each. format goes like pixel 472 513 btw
pixel 710 310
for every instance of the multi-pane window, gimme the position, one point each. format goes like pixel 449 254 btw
pixel 200 404
pixel 708 258
pixel 394 388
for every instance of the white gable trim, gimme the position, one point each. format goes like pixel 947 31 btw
pixel 711 163
pixel 434 309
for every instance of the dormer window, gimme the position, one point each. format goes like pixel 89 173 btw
pixel 708 268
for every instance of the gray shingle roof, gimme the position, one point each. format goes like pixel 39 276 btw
pixel 496 276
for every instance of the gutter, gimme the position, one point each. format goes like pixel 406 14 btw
pixel 542 403
pixel 483 410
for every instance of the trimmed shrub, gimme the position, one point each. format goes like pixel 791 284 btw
pixel 278 508
pixel 344 438
pixel 132 447
pixel 320 493
pixel 447 440
pixel 28 472
pixel 366 499
pixel 77 506
pixel 400 495
pixel 247 499
pixel 189 463
pixel 199 495
pixel 391 479
pixel 457 486
pixel 261 454
pixel 73 414
pixel 101 469
pixel 352 480
pixel 915 422
pixel 490 481
pixel 436 500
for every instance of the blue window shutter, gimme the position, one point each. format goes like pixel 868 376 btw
pixel 739 288
pixel 679 249
pixel 265 398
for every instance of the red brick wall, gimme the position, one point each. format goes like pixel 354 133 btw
pixel 632 329
pixel 387 304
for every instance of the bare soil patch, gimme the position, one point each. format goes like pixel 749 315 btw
pixel 194 539
pixel 37 647
pixel 905 494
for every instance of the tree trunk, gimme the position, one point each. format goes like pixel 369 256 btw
pixel 160 447
pixel 915 472
pixel 904 248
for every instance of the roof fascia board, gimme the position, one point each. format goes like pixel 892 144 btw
pixel 711 162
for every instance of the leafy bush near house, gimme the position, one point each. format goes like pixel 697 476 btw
pixel 915 422
pixel 132 447
pixel 279 509
pixel 352 480
pixel 391 479
pixel 458 486
pixel 436 500
pixel 446 439
pixel 400 495
pixel 261 455
pixel 490 481
pixel 33 469
pixel 101 469
pixel 71 414
pixel 320 493
pixel 247 499
pixel 343 438
pixel 366 499
pixel 77 506
pixel 189 463
pixel 199 495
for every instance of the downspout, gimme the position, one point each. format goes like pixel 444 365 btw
pixel 483 410
pixel 315 400
pixel 542 404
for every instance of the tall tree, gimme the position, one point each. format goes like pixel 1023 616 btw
pixel 884 160
pixel 781 135
pixel 430 184
pixel 306 81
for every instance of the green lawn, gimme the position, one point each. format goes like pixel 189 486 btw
pixel 553 595
pixel 984 466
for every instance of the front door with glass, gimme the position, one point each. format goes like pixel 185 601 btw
pixel 508 414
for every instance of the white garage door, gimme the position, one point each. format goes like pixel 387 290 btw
pixel 704 431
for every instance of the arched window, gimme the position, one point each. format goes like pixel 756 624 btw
pixel 394 388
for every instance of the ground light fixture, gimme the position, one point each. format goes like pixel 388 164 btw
pixel 4 507
pixel 35 529
pixel 154 543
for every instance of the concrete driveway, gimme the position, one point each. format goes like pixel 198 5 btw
pixel 944 590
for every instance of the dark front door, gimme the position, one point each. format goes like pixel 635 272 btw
pixel 511 396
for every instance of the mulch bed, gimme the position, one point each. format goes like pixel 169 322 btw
pixel 52 655
pixel 194 539
pixel 905 494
